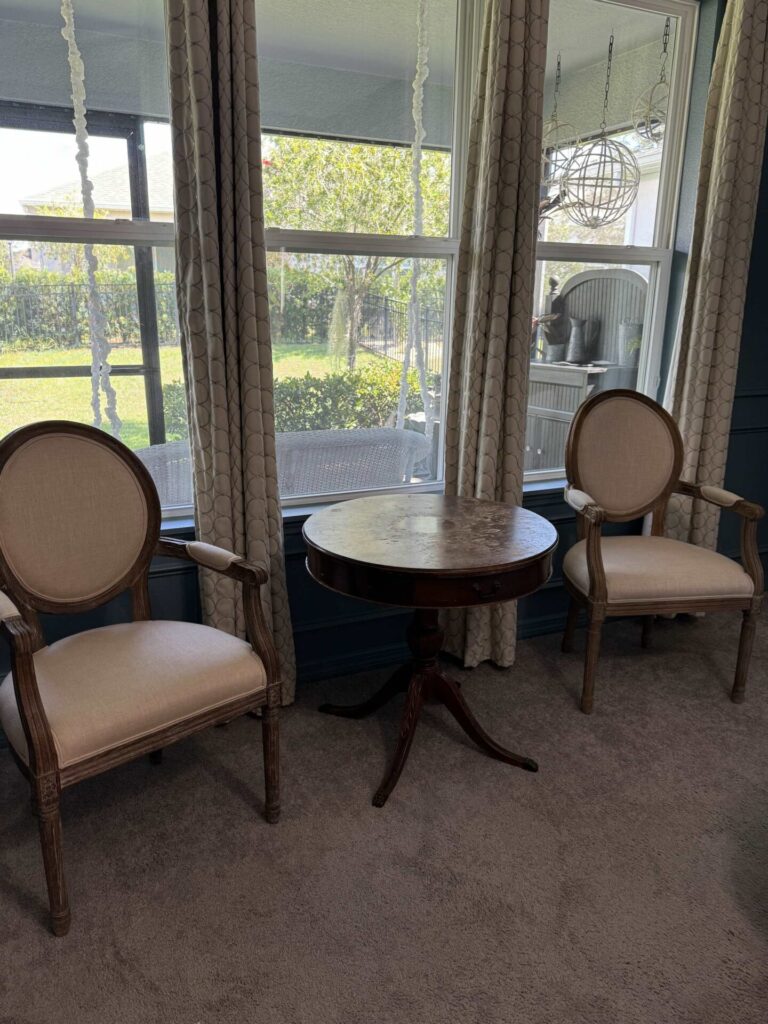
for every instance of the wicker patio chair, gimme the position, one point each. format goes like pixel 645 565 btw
pixel 308 462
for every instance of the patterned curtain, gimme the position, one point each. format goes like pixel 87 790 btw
pixel 700 395
pixel 485 421
pixel 223 305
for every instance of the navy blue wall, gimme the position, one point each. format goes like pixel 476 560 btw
pixel 748 450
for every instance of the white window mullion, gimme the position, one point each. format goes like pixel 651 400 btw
pixel 27 228
pixel 576 252
pixel 333 243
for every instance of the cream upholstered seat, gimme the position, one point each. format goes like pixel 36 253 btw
pixel 659 569
pixel 623 460
pixel 79 525
pixel 110 686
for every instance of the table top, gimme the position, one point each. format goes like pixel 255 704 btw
pixel 431 534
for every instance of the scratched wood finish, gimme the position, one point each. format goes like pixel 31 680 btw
pixel 428 551
pixel 590 521
pixel 25 637
pixel 431 533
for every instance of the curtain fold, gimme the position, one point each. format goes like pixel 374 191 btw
pixel 488 388
pixel 703 379
pixel 223 303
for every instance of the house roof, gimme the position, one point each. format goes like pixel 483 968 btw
pixel 111 189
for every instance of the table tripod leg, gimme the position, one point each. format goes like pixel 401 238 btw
pixel 396 684
pixel 408 722
pixel 448 692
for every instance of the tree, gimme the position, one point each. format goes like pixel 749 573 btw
pixel 319 185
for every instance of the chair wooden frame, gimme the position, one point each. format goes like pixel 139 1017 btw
pixel 590 517
pixel 20 625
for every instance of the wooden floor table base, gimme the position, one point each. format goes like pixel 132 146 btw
pixel 423 680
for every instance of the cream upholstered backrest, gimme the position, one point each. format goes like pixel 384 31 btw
pixel 625 451
pixel 79 515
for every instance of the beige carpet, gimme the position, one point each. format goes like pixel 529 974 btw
pixel 626 883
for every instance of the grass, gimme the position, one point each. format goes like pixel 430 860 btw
pixel 24 401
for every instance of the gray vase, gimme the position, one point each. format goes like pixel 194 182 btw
pixel 581 341
pixel 554 354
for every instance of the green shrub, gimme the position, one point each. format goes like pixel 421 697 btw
pixel 175 408
pixel 367 397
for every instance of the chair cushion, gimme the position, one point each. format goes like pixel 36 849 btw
pixel 107 686
pixel 659 569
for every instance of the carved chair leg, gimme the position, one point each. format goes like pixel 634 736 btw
pixel 570 627
pixel 647 634
pixel 49 820
pixel 594 630
pixel 271 737
pixel 746 640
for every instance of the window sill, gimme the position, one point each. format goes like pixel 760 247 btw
pixel 177 527
pixel 531 490
pixel 184 525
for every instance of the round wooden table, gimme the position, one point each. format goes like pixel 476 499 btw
pixel 428 551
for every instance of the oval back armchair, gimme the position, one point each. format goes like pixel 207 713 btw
pixel 623 460
pixel 79 524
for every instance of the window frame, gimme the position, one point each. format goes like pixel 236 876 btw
pixel 104 231
pixel 469 19
pixel 657 257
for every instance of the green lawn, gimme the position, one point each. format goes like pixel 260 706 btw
pixel 24 401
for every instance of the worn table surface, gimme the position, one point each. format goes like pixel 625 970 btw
pixel 431 533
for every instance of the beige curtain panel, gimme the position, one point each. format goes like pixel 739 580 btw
pixel 703 382
pixel 485 421
pixel 223 304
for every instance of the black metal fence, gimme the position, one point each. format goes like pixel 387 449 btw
pixel 55 315
pixel 385 331
pixel 49 315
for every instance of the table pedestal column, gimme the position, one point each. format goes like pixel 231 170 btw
pixel 421 679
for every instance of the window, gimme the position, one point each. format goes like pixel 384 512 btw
pixel 602 280
pixel 88 321
pixel 365 110
pixel 358 105
pixel 363 223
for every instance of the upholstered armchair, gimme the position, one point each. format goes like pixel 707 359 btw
pixel 623 461
pixel 79 524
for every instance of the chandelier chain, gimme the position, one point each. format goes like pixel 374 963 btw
pixel 665 50
pixel 604 122
pixel 558 73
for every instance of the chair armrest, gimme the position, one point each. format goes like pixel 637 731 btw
pixel 252 576
pixel 24 640
pixel 8 609
pixel 591 517
pixel 209 556
pixel 722 498
pixel 584 503
pixel 750 513
pixel 20 635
